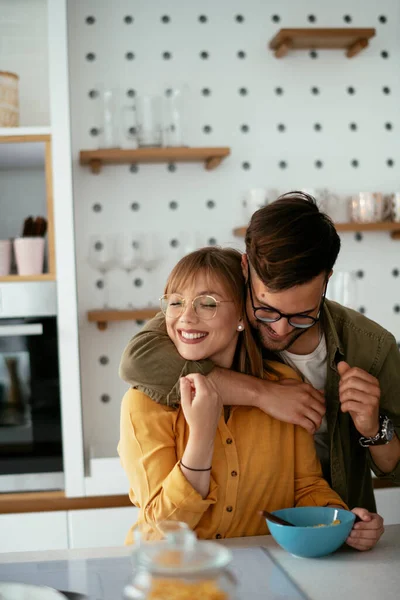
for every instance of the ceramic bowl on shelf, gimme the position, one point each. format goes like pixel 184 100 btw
pixel 314 533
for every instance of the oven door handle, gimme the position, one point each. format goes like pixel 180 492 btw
pixel 24 329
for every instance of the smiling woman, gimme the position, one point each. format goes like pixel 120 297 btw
pixel 212 468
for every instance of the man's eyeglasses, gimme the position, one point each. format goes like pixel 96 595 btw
pixel 272 315
pixel 205 307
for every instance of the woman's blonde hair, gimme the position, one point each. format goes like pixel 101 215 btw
pixel 225 264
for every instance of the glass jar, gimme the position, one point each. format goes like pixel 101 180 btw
pixel 179 567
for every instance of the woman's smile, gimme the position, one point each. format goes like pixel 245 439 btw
pixel 191 336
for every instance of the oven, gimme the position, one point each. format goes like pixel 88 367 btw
pixel 30 414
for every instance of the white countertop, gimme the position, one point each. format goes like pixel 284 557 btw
pixel 347 574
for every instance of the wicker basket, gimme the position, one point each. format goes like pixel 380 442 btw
pixel 9 101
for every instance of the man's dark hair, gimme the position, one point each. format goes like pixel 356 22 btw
pixel 290 241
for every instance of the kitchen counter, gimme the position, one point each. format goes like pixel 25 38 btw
pixel 263 569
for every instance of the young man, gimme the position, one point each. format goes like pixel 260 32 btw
pixel 350 400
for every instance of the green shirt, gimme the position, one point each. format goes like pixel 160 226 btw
pixel 152 364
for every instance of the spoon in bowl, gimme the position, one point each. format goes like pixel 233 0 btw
pixel 275 519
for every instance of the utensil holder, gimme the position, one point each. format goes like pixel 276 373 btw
pixel 29 255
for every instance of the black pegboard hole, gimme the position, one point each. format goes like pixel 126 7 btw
pixel 93 94
pixel 382 19
pixel 315 91
pixel 347 18
pixel 171 167
pixel 135 206
pixel 279 91
pixel 395 272
pixel 281 127
pixel 132 130
pixel 129 56
pixel 390 162
pixel 239 19
pixel 100 284
pixel 243 91
pixel 210 204
pixel 90 56
pixel 358 237
pixel 318 164
pixel 313 54
pixel 204 55
pixel 131 93
pixel 90 20
pixel 241 54
pixel 362 310
pixel 138 282
pixel 396 308
pixel 105 398
pixel 206 92
pixel 351 90
pixel 207 129
pixel 104 360
pixel 246 166
pixel 317 126
pixel 203 19
pixel 385 54
pixel 311 18
pixel 167 55
pixel 386 90
pixel 97 207
pixel 275 18
pixel 388 126
pixel 282 164
pixel 165 19
pixel 128 20
pixel 134 169
pixel 173 205
pixel 355 163
pixel 98 246
pixel 212 241
pixel 353 126
pixel 94 131
pixel 244 128
pixel 360 274
pixel 174 243
pixel 139 322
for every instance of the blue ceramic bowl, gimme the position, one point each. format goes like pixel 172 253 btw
pixel 305 539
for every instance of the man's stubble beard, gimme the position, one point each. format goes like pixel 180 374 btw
pixel 265 342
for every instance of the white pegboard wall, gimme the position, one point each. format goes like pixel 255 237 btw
pixel 308 120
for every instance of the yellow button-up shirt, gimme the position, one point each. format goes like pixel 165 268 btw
pixel 258 463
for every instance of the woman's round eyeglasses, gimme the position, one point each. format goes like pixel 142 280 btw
pixel 205 307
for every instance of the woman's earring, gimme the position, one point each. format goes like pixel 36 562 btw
pixel 240 327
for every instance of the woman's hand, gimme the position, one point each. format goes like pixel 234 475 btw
pixel 201 405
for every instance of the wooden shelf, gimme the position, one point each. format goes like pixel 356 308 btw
pixel 211 157
pixel 393 228
pixel 353 40
pixel 28 133
pixel 19 278
pixel 102 317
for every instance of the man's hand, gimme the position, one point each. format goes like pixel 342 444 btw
pixel 365 533
pixel 294 402
pixel 359 395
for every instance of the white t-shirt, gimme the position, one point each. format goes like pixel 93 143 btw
pixel 313 368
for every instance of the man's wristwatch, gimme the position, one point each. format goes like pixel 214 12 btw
pixel 384 435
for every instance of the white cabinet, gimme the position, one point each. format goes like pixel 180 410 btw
pixel 23 532
pixel 100 527
pixel 388 505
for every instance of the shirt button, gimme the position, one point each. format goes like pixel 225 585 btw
pixel 229 441
pixel 234 474
pixel 218 536
pixel 229 509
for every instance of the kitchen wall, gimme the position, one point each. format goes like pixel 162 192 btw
pixel 23 33
pixel 309 120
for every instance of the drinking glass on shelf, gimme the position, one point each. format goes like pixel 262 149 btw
pixel 129 256
pixel 102 257
pixel 342 288
pixel 151 251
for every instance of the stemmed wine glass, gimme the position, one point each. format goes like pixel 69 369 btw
pixel 102 257
pixel 151 255
pixel 129 255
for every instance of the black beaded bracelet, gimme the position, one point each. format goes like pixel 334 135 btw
pixel 190 469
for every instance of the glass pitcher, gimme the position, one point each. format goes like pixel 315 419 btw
pixel 179 567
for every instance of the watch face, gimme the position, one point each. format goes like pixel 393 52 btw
pixel 388 430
